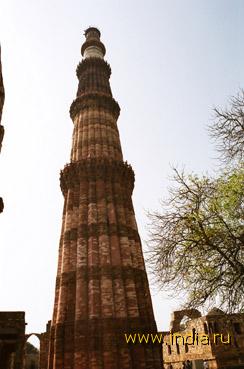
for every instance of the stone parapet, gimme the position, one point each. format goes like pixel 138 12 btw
pixel 94 101
pixel 94 170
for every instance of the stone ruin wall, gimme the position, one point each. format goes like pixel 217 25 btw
pixel 217 355
pixel 12 339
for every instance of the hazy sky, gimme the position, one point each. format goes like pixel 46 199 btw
pixel 172 61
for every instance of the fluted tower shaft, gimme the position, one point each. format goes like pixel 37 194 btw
pixel 101 287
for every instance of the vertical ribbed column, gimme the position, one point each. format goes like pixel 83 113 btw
pixel 102 289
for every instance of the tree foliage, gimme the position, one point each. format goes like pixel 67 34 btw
pixel 197 242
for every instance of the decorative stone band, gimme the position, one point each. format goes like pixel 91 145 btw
pixel 94 62
pixel 97 327
pixel 93 42
pixel 97 272
pixel 94 169
pixel 94 100
pixel 105 334
pixel 100 229
pixel 99 141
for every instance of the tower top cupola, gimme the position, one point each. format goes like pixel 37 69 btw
pixel 93 47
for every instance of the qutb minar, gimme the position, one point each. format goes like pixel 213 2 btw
pixel 102 288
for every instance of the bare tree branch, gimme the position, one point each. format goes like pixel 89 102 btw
pixel 228 130
pixel 196 242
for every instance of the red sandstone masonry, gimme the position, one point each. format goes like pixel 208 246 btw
pixel 101 288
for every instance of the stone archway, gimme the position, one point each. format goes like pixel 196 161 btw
pixel 177 316
pixel 27 336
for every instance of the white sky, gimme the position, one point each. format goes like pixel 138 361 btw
pixel 171 60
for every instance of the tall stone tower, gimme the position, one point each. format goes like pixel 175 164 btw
pixel 102 289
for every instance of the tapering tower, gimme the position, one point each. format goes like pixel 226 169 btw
pixel 102 289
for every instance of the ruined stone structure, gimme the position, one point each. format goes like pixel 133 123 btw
pixel 31 360
pixel 101 287
pixel 44 347
pixel 12 339
pixel 200 340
